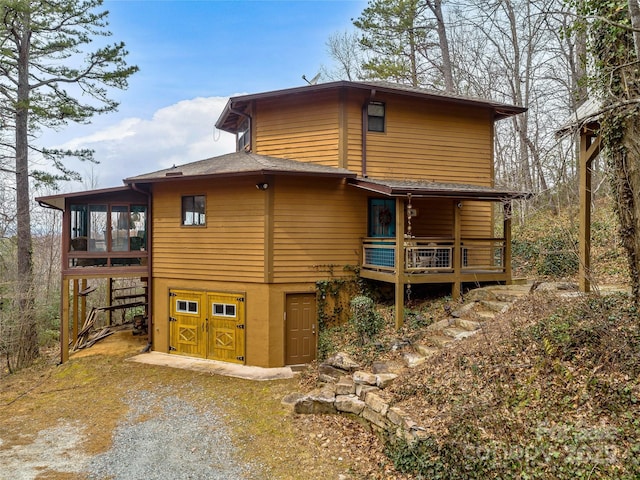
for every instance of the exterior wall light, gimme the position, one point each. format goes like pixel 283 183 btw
pixel 262 186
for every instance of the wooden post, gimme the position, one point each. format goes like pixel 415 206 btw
pixel 64 322
pixel 83 301
pixel 589 150
pixel 456 289
pixel 109 299
pixel 506 231
pixel 76 309
pixel 399 254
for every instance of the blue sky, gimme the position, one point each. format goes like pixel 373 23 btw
pixel 192 56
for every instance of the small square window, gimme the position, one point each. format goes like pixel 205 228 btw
pixel 193 210
pixel 224 309
pixel 186 306
pixel 375 117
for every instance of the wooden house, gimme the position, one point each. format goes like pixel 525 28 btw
pixel 394 180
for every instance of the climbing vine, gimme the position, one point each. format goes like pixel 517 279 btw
pixel 615 81
pixel 333 296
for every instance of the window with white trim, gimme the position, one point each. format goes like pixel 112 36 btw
pixel 186 306
pixel 224 309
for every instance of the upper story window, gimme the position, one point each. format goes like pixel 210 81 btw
pixel 244 135
pixel 193 210
pixel 376 117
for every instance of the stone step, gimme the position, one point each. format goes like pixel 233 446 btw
pixel 439 325
pixel 426 350
pixel 438 340
pixel 453 332
pixel 458 333
pixel 484 315
pixel 464 310
pixel 494 306
pixel 467 324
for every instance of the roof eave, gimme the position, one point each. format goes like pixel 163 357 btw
pixel 501 110
pixel 252 173
pixel 495 195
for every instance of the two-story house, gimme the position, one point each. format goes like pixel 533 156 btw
pixel 396 180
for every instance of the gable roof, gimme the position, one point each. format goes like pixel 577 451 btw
pixel 237 164
pixel 397 188
pixel 237 107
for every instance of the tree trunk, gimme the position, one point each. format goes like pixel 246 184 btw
pixel 447 70
pixel 621 138
pixel 28 342
pixel 634 15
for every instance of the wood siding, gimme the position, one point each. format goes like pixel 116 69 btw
pixel 305 131
pixel 428 140
pixel 318 225
pixel 432 141
pixel 231 245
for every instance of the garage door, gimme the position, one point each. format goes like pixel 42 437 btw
pixel 207 325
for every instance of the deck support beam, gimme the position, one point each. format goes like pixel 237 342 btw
pixel 506 232
pixel 64 322
pixel 589 150
pixel 399 264
pixel 456 289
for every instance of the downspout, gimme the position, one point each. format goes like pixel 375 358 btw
pixel 365 129
pixel 135 188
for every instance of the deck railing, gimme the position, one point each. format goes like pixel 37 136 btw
pixel 435 255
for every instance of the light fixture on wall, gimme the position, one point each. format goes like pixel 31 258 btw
pixel 262 186
pixel 459 205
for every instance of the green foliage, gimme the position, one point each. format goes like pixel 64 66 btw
pixel 558 256
pixel 364 317
pixel 395 35
pixel 332 296
pixel 559 451
pixel 558 397
pixel 601 332
pixel 546 244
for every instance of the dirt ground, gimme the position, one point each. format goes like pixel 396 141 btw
pixel 55 419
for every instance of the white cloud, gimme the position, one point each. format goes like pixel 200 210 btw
pixel 177 134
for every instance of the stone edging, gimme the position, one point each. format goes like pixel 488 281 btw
pixel 361 394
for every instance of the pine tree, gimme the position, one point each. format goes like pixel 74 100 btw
pixel 45 82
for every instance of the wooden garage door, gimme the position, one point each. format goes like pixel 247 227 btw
pixel 226 327
pixel 300 328
pixel 207 325
pixel 187 323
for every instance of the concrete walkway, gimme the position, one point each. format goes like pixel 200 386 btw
pixel 213 366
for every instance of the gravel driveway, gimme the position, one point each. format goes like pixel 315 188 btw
pixel 165 437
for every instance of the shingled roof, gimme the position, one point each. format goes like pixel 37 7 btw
pixel 395 188
pixel 240 163
pixel 237 106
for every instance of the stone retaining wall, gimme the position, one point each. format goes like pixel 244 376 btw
pixel 359 393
